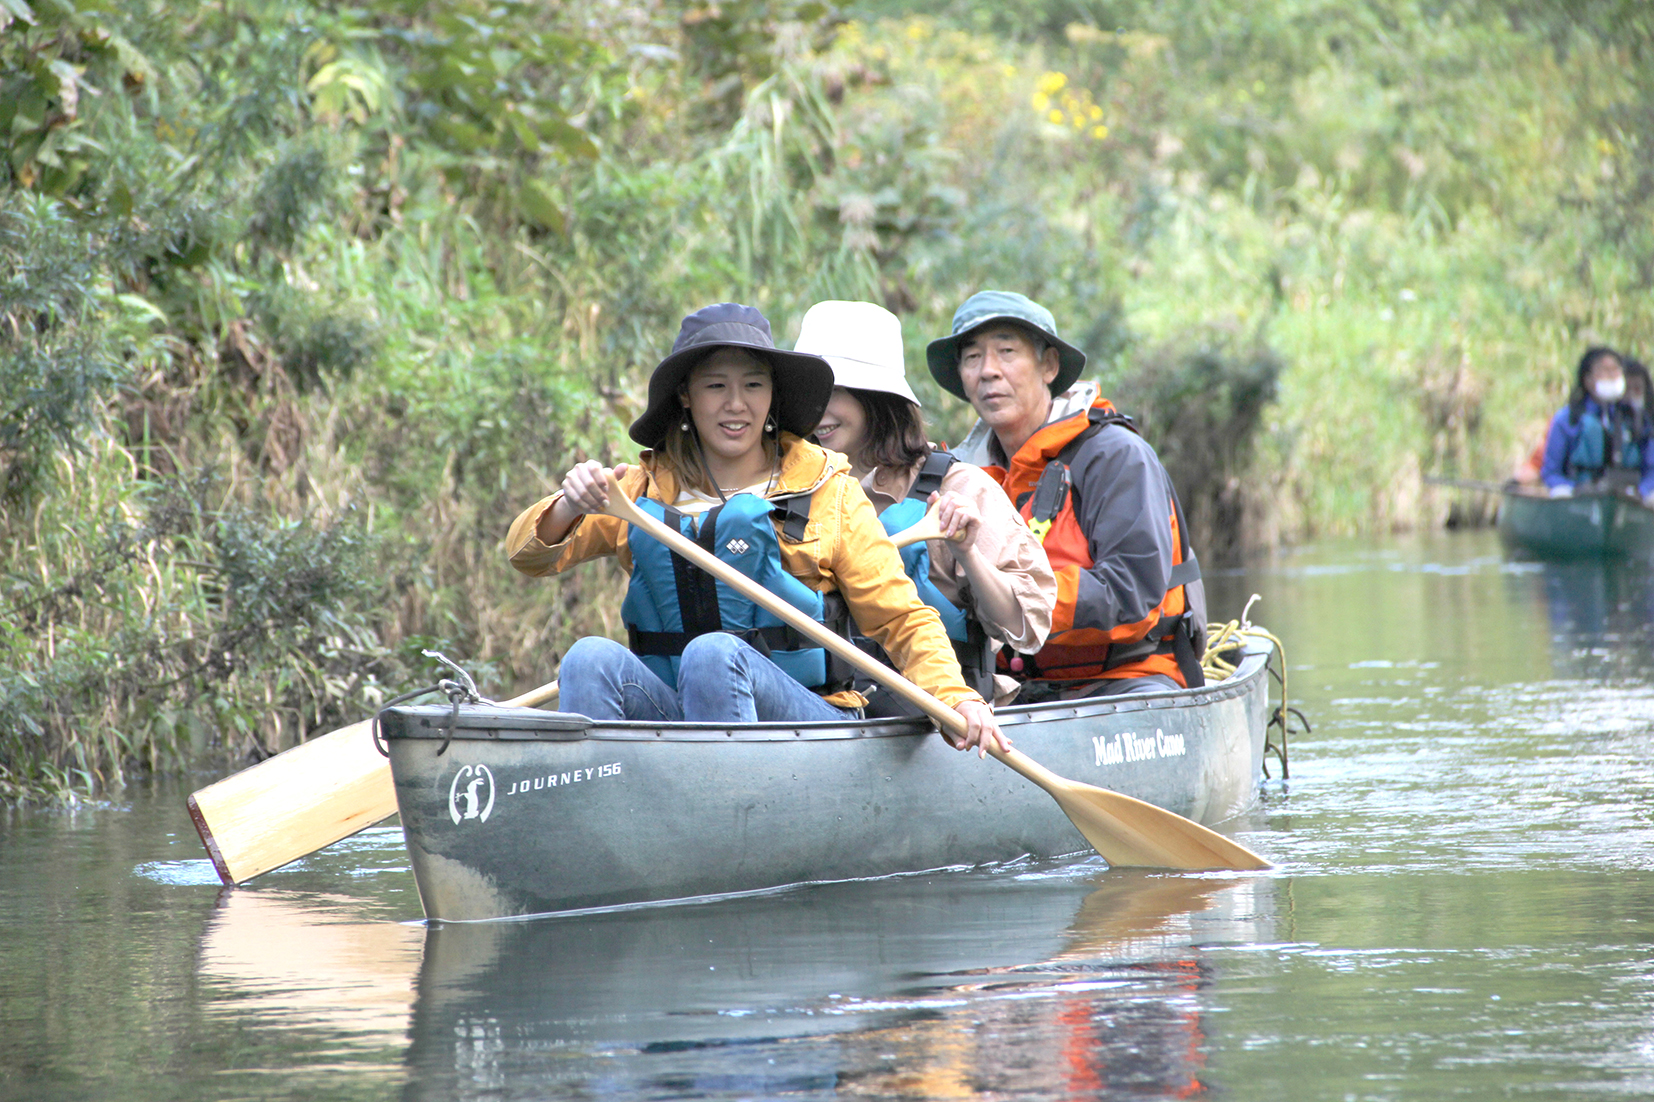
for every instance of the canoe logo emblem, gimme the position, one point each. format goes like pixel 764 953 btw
pixel 471 796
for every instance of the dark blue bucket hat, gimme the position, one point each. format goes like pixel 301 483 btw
pixel 803 382
pixel 986 307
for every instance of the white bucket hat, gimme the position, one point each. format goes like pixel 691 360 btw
pixel 862 342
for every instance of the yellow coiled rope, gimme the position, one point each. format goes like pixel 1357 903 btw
pixel 1227 639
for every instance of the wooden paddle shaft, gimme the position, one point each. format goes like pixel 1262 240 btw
pixel 927 527
pixel 303 799
pixel 624 508
pixel 925 530
pixel 1465 483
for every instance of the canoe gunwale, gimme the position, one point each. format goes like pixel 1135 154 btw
pixel 489 723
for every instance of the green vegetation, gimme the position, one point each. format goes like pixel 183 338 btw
pixel 301 303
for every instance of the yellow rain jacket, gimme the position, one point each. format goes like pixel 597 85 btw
pixel 844 550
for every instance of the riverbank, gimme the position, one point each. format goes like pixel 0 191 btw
pixel 302 305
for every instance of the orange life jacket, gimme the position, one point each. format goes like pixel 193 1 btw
pixel 1164 641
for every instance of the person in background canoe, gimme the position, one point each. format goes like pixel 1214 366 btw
pixel 1639 420
pixel 1131 609
pixel 990 581
pixel 1590 439
pixel 726 464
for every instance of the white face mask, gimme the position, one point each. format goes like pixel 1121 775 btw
pixel 1609 390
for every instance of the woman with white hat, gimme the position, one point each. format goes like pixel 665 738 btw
pixel 726 464
pixel 989 580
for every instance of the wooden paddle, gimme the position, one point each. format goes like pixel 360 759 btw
pixel 1469 484
pixel 303 799
pixel 927 528
pixel 1126 831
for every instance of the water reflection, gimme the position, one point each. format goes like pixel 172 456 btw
pixel 1601 616
pixel 1059 982
pixel 307 961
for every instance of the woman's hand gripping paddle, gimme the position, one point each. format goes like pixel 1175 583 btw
pixel 1126 831
pixel 927 528
pixel 303 799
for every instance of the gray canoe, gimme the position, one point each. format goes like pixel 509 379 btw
pixel 514 811
pixel 1584 526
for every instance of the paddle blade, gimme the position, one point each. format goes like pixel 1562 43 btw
pixel 294 803
pixel 291 805
pixel 1130 833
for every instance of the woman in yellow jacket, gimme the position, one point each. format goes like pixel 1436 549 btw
pixel 726 464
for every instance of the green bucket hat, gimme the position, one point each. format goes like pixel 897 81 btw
pixel 991 306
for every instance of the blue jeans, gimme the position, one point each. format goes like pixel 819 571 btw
pixel 720 679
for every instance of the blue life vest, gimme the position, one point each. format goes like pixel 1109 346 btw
pixel 1603 443
pixel 669 602
pixel 916 562
pixel 971 646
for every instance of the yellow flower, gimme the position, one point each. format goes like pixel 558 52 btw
pixel 1041 101
pixel 1055 116
pixel 1052 83
pixel 1099 132
pixel 1096 112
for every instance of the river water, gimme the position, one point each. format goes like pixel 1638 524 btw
pixel 1462 907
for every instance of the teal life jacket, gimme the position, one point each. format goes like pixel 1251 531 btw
pixel 1589 456
pixel 669 602
pixel 1603 443
pixel 916 564
pixel 971 646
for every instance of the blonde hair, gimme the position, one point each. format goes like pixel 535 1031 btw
pixel 678 451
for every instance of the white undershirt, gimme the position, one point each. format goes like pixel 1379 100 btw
pixel 694 503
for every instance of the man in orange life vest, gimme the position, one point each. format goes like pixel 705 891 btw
pixel 1131 610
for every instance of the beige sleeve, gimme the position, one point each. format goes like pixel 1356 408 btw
pixel 1006 542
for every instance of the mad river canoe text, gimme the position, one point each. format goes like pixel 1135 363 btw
pixel 1127 746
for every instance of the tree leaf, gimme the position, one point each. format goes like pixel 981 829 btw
pixel 542 206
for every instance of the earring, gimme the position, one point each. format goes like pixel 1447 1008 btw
pixel 685 425
pixel 769 425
